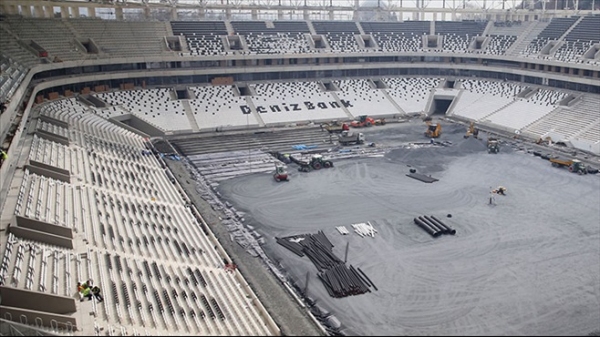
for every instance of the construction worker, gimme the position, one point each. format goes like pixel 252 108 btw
pixel 3 156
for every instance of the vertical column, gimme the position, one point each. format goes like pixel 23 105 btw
pixel 119 13
pixel 64 12
pixel 306 15
pixel 202 13
pixel 26 11
pixel 10 9
pixel 75 12
pixel 147 12
pixel 173 13
pixel 400 16
pixel 331 16
pixel 254 14
pixel 49 11
pixel 91 12
pixel 38 12
pixel 279 14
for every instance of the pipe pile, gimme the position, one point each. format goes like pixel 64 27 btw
pixel 434 226
pixel 364 229
pixel 339 280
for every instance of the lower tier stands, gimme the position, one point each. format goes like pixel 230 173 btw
pixel 220 106
pixel 364 99
pixel 411 94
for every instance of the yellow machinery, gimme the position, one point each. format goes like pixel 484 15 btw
pixel 472 131
pixel 433 131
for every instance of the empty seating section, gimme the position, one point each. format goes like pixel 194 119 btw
pixel 274 97
pixel 499 44
pixel 10 47
pixel 284 37
pixel 52 128
pixel 555 29
pixel 481 98
pixel 155 106
pixel 202 37
pixel 411 94
pixel 365 100
pixel 569 121
pixel 218 106
pixel 525 111
pixel 51 34
pixel 458 34
pixel 398 36
pixel 12 73
pixel 579 40
pixel 117 38
pixel 50 153
pixel 339 34
pixel 159 269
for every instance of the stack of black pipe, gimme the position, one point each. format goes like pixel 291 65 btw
pixel 434 226
pixel 339 279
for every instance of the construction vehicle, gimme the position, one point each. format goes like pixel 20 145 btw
pixel 347 137
pixel 335 127
pixel 367 121
pixel 280 173
pixel 316 163
pixel 433 131
pixel 492 145
pixel 544 141
pixel 574 165
pixel 500 190
pixel 472 131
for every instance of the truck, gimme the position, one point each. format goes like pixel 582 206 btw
pixel 433 130
pixel 347 137
pixel 574 165
pixel 492 145
pixel 316 163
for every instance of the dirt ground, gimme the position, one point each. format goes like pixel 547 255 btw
pixel 529 264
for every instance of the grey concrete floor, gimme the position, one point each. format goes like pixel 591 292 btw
pixel 528 265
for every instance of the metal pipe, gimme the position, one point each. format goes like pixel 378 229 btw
pixel 425 227
pixel 451 231
pixel 432 224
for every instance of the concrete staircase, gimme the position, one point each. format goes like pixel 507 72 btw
pixel 190 115
pixel 254 112
pixel 526 37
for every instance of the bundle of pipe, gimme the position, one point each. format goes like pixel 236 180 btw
pixel 291 243
pixel 432 231
pixel 341 281
pixel 434 226
pixel 319 252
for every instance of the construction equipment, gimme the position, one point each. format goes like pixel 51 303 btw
pixel 280 173
pixel 316 163
pixel 544 141
pixel 347 137
pixel 433 131
pixel 367 121
pixel 492 145
pixel 335 127
pixel 501 190
pixel 472 131
pixel 574 165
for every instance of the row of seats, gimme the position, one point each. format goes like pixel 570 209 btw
pixel 411 94
pixel 12 73
pixel 159 269
pixel 480 98
pixel 364 97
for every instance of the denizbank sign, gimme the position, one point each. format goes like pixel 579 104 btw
pixel 296 107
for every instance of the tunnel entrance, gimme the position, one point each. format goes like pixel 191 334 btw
pixel 440 106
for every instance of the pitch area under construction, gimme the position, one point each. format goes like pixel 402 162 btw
pixel 524 263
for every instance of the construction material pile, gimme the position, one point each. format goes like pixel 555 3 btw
pixel 339 279
pixel 364 229
pixel 434 226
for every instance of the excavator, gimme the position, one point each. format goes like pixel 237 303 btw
pixel 433 131
pixel 472 131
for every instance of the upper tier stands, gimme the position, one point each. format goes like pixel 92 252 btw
pixel 11 49
pixel 339 34
pixel 284 37
pixel 202 37
pixel 155 106
pixel 398 36
pixel 411 94
pixel 555 29
pixel 365 99
pixel 275 97
pixel 161 271
pixel 458 34
pixel 124 38
pixel 502 36
pixel 579 40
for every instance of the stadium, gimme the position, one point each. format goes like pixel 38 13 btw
pixel 300 167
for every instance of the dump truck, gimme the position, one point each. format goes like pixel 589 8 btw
pixel 574 165
pixel 316 163
pixel 335 127
pixel 492 145
pixel 347 137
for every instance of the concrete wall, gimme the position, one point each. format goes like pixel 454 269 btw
pixel 29 230
pixel 48 171
pixel 52 137
pixel 37 307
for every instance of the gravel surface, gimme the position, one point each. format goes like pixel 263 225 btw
pixel 527 265
pixel 290 317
